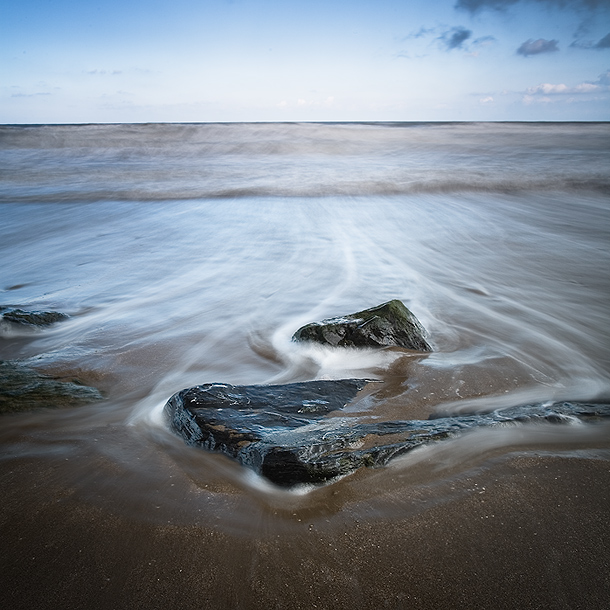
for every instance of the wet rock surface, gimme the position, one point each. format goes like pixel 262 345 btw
pixel 387 324
pixel 297 433
pixel 31 318
pixel 23 389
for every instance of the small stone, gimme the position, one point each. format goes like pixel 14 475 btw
pixel 388 324
pixel 23 389
pixel 32 318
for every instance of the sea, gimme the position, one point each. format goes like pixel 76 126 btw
pixel 186 254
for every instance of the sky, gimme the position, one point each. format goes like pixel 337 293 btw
pixel 116 61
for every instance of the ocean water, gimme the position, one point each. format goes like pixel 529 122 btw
pixel 187 254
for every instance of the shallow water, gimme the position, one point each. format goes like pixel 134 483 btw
pixel 190 254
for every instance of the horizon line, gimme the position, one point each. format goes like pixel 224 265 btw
pixel 296 122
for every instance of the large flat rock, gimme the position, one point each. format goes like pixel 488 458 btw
pixel 297 433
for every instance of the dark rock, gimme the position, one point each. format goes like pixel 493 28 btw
pixel 22 389
pixel 388 324
pixel 31 318
pixel 295 433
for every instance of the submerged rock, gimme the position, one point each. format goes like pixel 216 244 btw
pixel 295 433
pixel 22 389
pixel 387 324
pixel 31 318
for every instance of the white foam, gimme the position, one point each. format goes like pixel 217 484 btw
pixel 313 361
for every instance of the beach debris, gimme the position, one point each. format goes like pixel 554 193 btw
pixel 385 325
pixel 23 389
pixel 299 433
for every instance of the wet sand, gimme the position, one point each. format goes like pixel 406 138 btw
pixel 527 531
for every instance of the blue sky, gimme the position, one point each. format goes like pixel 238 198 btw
pixel 64 61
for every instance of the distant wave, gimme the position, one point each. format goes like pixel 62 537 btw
pixel 165 162
pixel 600 185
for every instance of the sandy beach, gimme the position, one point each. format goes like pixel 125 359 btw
pixel 519 532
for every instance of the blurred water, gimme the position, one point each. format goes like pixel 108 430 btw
pixel 190 254
pixel 170 162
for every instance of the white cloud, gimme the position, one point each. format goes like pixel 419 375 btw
pixel 601 84
pixel 586 88
pixel 486 100
pixel 547 93
pixel 548 88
